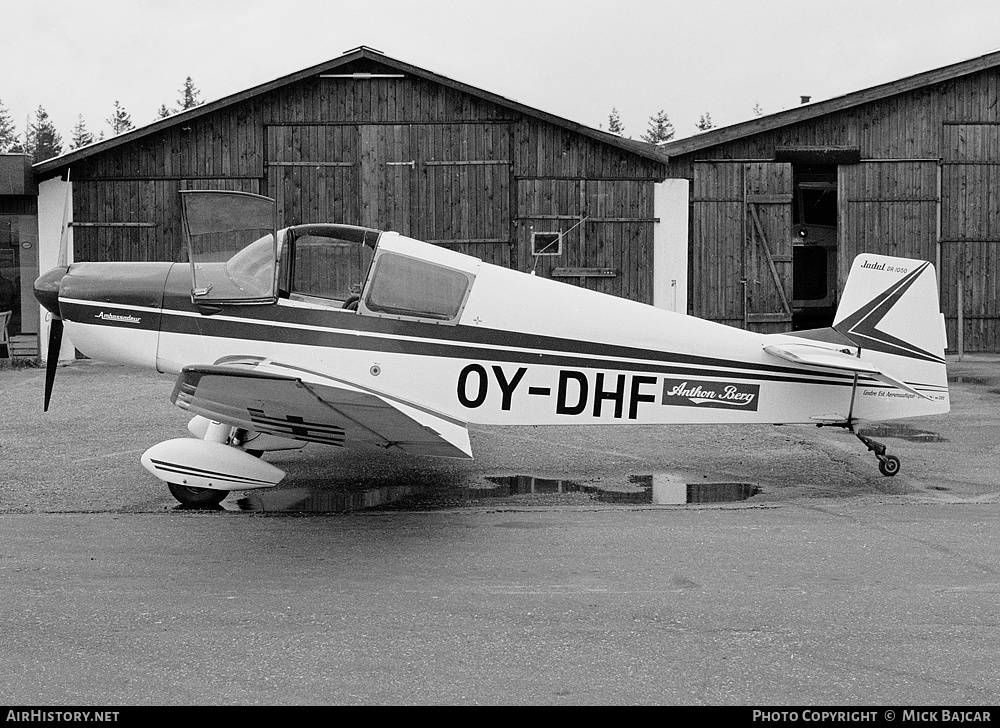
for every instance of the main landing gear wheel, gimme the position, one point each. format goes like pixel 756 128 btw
pixel 197 497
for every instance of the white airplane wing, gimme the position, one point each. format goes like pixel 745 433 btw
pixel 836 359
pixel 279 399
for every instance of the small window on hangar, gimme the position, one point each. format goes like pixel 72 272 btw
pixel 546 243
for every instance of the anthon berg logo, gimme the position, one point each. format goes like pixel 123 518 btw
pixel 718 395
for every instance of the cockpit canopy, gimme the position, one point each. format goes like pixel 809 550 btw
pixel 232 245
pixel 325 264
pixel 237 260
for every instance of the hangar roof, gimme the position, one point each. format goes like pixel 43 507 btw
pixel 55 165
pixel 806 112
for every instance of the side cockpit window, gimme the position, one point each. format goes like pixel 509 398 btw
pixel 326 264
pixel 405 287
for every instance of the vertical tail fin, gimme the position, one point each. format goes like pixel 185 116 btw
pixel 890 310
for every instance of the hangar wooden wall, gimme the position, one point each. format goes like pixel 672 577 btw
pixel 917 175
pixel 389 149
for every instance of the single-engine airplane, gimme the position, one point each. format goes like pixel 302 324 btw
pixel 350 336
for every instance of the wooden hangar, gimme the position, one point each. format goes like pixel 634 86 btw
pixel 782 204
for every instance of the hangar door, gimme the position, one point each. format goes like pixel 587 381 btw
pixel 970 235
pixel 312 173
pixel 767 249
pixel 741 253
pixel 889 207
pixel 597 234
pixel 447 184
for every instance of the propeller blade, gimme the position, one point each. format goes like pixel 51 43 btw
pixel 55 344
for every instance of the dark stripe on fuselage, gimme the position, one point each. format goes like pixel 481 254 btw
pixel 347 330
pixel 467 342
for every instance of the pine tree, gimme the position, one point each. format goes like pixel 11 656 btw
pixel 120 121
pixel 43 141
pixel 163 112
pixel 8 136
pixel 757 111
pixel 189 96
pixel 705 122
pixel 81 137
pixel 615 123
pixel 660 129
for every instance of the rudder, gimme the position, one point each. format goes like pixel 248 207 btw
pixel 890 310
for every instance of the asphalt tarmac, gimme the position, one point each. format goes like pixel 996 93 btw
pixel 592 566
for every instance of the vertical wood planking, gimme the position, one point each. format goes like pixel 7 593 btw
pixel 266 143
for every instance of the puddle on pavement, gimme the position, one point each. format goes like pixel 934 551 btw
pixel 901 431
pixel 659 489
pixel 990 382
pixel 967 379
pixel 655 489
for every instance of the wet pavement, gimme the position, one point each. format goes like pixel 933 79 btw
pixel 599 565
pixel 657 489
pixel 83 456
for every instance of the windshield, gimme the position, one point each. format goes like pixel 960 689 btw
pixel 252 269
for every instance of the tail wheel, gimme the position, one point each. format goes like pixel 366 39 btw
pixel 889 465
pixel 197 497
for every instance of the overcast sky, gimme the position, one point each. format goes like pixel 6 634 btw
pixel 574 58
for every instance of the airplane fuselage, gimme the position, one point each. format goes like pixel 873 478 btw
pixel 514 358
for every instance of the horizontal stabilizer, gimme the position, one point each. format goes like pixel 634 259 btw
pixel 830 419
pixel 840 359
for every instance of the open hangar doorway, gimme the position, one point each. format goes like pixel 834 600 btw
pixel 791 231
pixel 814 245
